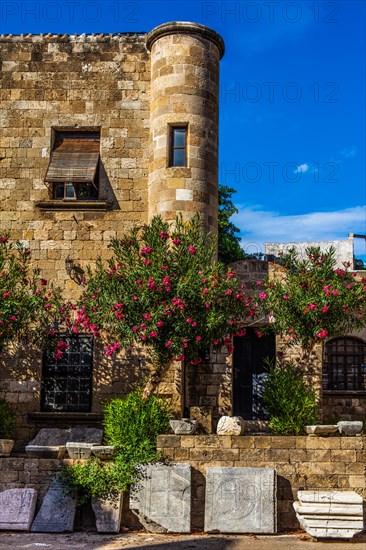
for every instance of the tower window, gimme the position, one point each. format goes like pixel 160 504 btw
pixel 178 146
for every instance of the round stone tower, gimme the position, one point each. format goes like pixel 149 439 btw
pixel 183 166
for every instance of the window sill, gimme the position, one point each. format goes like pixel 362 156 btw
pixel 74 205
pixel 65 417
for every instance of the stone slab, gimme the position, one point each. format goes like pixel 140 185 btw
pixel 52 437
pixel 17 507
pixel 79 450
pixel 108 514
pixel 184 426
pixel 57 512
pixel 45 451
pixel 322 429
pixel 240 500
pixel 330 514
pixel 162 498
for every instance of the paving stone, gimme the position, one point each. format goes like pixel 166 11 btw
pixel 57 513
pixel 162 498
pixel 108 514
pixel 330 514
pixel 240 500
pixel 17 507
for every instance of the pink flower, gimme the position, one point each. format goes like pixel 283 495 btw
pixel 118 305
pixel 194 324
pixel 179 358
pixel 163 235
pixel 258 333
pixel 216 342
pixel 325 309
pixel 58 354
pixel 322 333
pixel 176 241
pixel 198 338
pixel 43 282
pixel 168 344
pixel 312 306
pixel 286 297
pixel 6 295
pixel 189 320
pixel 143 325
pixel 262 295
pixel 135 298
pixel 207 305
pixel 165 267
pixel 146 250
pixel 147 316
pixel 27 252
pixel 3 239
pixel 153 334
pixel 146 262
pixel 160 324
pixel 335 292
pixel 205 291
pixel 192 249
pixel 228 292
pixel 230 275
pixel 37 292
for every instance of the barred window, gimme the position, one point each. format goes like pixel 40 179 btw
pixel 344 367
pixel 67 382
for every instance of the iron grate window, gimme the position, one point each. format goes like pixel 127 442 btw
pixel 344 367
pixel 67 382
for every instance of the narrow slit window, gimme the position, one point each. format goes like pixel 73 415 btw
pixel 178 146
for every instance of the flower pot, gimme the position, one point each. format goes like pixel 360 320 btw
pixel 6 446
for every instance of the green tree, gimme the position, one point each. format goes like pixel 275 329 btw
pixel 29 306
pixel 309 300
pixel 229 249
pixel 163 291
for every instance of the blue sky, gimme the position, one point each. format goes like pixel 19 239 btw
pixel 292 105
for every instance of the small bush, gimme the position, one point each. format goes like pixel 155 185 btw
pixel 7 420
pixel 290 403
pixel 132 426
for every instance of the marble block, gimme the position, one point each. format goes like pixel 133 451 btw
pixel 347 427
pixel 230 425
pixel 51 442
pixel 104 452
pixel 78 450
pixel 108 514
pixel 162 498
pixel 330 514
pixel 322 429
pixel 184 426
pixel 17 507
pixel 240 500
pixel 57 512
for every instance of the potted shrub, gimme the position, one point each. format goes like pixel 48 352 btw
pixel 7 428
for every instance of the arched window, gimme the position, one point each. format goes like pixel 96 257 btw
pixel 344 366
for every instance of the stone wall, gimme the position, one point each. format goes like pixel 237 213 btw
pixel 301 463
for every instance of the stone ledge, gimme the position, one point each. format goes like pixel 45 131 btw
pixel 74 205
pixel 70 417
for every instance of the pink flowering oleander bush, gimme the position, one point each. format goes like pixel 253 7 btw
pixel 29 306
pixel 163 290
pixel 311 300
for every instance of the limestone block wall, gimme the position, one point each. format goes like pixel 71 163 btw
pixel 99 82
pixel 301 463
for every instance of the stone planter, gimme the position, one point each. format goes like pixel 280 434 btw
pixel 230 425
pixel 184 426
pixel 104 452
pixel 108 514
pixel 6 446
pixel 78 450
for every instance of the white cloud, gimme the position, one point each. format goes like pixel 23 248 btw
pixel 259 226
pixel 302 168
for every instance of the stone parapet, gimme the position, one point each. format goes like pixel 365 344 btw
pixel 301 462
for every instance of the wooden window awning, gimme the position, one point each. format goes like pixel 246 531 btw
pixel 74 160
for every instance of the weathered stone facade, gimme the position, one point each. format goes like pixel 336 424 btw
pixel 129 90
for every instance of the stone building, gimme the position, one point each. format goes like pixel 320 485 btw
pixel 100 133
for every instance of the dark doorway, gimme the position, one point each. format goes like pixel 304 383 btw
pixel 249 372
